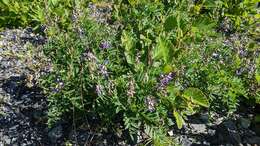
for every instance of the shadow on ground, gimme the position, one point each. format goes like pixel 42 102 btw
pixel 24 118
pixel 23 115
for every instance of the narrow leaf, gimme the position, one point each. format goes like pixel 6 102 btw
pixel 179 119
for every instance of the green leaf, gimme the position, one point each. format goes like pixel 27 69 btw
pixel 196 96
pixel 128 43
pixel 257 77
pixel 168 68
pixel 54 2
pixel 162 49
pixel 170 23
pixel 174 91
pixel 6 2
pixel 257 118
pixel 179 119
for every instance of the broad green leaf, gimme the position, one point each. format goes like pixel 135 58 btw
pixel 170 23
pixel 6 2
pixel 179 119
pixel 174 91
pixel 196 96
pixel 162 49
pixel 168 68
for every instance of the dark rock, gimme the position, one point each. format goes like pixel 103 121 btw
pixel 204 117
pixel 244 123
pixel 185 140
pixel 256 128
pixel 227 133
pixel 55 133
pixel 253 140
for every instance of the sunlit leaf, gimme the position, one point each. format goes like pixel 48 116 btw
pixel 196 96
pixel 54 2
pixel 6 2
pixel 162 49
pixel 179 119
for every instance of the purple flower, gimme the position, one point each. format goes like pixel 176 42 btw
pixel 59 86
pixel 103 70
pixel 165 80
pixel 242 53
pixel 105 45
pixel 131 89
pixel 89 56
pixel 240 71
pixel 99 90
pixel 150 102
pixel 55 90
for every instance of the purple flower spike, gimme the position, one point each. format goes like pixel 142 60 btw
pixel 165 80
pixel 103 70
pixel 150 102
pixel 105 45
pixel 99 90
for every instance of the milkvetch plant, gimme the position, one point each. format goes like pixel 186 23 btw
pixel 166 61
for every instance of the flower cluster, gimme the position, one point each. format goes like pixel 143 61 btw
pixel 88 56
pixel 131 89
pixel 103 70
pixel 150 102
pixel 105 45
pixel 99 90
pixel 165 80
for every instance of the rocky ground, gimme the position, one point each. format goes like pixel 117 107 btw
pixel 200 130
pixel 23 107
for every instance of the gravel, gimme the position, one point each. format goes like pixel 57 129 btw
pixel 23 109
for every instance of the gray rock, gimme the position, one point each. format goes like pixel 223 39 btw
pixel 198 128
pixel 204 117
pixel 227 132
pixel 211 132
pixel 185 140
pixel 244 123
pixel 253 140
pixel 55 133
pixel 6 139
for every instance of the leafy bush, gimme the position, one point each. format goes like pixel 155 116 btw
pixel 165 61
pixel 54 14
